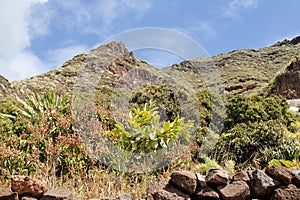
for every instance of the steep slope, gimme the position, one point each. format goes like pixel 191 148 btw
pixel 240 71
pixel 248 70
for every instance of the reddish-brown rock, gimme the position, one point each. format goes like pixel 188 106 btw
pixel 236 190
pixel 170 193
pixel 280 173
pixel 217 177
pixel 207 193
pixel 241 176
pixel 286 193
pixel 185 181
pixel 28 185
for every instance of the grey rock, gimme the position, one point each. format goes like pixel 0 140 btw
pixel 263 185
pixel 125 197
pixel 58 194
pixel 8 195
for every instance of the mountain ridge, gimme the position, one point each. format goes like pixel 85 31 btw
pixel 240 71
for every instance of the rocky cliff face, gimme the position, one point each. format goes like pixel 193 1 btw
pixel 241 71
pixel 287 83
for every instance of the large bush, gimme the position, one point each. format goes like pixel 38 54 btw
pixel 256 131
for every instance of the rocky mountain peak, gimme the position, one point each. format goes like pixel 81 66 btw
pixel 294 41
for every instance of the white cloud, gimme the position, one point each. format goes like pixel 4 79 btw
pixel 235 6
pixel 15 61
pixel 21 21
pixel 24 64
pixel 203 28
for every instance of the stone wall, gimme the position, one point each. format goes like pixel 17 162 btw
pixel 274 183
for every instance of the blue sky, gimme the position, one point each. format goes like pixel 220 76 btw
pixel 39 35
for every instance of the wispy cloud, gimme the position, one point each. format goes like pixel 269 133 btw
pixel 233 8
pixel 58 56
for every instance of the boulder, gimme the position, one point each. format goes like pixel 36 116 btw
pixel 206 193
pixel 290 192
pixel 262 185
pixel 8 195
pixel 58 194
pixel 241 176
pixel 236 190
pixel 170 193
pixel 28 185
pixel 185 181
pixel 280 173
pixel 217 177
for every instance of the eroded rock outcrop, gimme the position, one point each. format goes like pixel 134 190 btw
pixel 287 83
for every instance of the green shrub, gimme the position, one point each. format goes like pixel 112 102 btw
pixel 164 96
pixel 257 131
pixel 241 109
pixel 145 132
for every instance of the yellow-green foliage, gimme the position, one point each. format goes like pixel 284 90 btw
pixel 145 132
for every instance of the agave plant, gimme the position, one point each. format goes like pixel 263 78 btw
pixel 47 105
